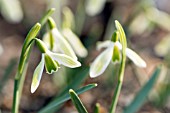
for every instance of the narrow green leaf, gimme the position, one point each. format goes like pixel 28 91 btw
pixel 77 102
pixel 97 108
pixel 46 16
pixel 64 98
pixel 80 76
pixel 143 93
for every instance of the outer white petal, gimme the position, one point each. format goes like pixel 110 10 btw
pixel 101 62
pixel 12 10
pixel 135 58
pixel 94 7
pixel 62 44
pixel 104 44
pixel 37 75
pixel 65 60
pixel 75 42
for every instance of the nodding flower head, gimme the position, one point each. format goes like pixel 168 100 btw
pixel 52 62
pixel 65 42
pixel 112 52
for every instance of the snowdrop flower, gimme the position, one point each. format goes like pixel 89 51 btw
pixel 52 61
pixel 64 44
pixel 112 52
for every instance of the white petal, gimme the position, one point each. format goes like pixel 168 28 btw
pixel 11 10
pixel 104 44
pixel 101 62
pixel 75 43
pixel 65 60
pixel 37 75
pixel 135 58
pixel 94 7
pixel 62 44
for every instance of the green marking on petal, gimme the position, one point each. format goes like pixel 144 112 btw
pixel 65 60
pixel 50 65
pixel 37 75
pixel 116 54
pixel 115 37
pixel 122 37
pixel 101 62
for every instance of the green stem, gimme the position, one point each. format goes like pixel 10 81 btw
pixel 23 65
pixel 122 67
pixel 118 87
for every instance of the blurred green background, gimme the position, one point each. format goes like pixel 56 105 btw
pixel 147 26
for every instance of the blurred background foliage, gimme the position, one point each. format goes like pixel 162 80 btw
pixel 147 26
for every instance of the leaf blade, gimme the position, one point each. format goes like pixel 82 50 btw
pixel 141 96
pixel 77 102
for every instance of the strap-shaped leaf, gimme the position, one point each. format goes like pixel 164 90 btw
pixel 80 76
pixel 77 102
pixel 66 97
pixel 97 108
pixel 143 93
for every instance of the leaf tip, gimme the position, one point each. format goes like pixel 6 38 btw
pixel 71 91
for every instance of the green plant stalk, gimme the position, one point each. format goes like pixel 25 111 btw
pixel 22 68
pixel 23 62
pixel 77 102
pixel 122 67
pixel 118 87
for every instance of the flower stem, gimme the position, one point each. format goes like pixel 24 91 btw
pixel 118 89
pixel 23 65
pixel 122 67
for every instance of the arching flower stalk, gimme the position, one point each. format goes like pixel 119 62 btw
pixel 116 51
